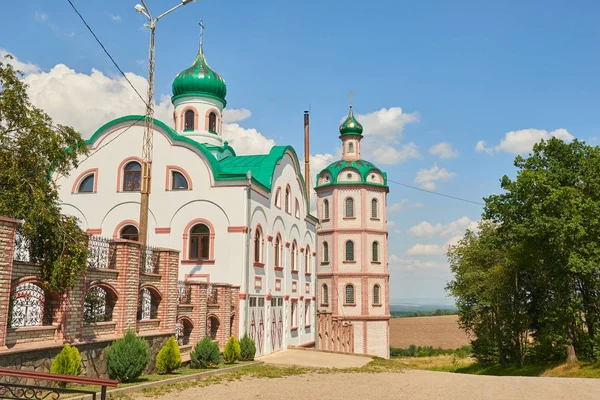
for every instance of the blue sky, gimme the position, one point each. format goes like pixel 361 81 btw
pixel 460 72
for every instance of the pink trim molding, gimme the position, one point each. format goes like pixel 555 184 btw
pixel 84 175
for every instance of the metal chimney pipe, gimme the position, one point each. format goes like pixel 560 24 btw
pixel 307 159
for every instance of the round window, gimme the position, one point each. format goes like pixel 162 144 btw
pixel 349 175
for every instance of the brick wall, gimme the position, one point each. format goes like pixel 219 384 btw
pixel 7 240
pixel 334 334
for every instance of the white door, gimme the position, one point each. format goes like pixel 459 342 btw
pixel 257 323
pixel 276 323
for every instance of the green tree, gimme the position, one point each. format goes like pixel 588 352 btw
pixel 33 152
pixel 67 362
pixel 169 357
pixel 232 350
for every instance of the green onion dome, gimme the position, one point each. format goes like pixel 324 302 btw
pixel 351 126
pixel 200 80
pixel 368 172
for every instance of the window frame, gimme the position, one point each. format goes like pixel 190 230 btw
pixel 278 252
pixel 307 261
pixel 375 252
pixel 349 204
pixel 288 199
pixel 325 294
pixel 85 179
pixel 187 183
pixel 376 300
pixel 346 258
pixel 212 122
pixel 374 208
pixel 351 287
pixel 294 257
pixel 202 248
pixel 326 210
pixel 293 314
pixel 277 200
pixel 133 174
pixel 187 112
pixel 259 242
pixel 325 250
pixel 130 235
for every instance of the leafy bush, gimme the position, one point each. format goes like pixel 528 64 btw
pixel 169 357
pixel 127 357
pixel 429 351
pixel 232 350
pixel 67 362
pixel 247 348
pixel 205 354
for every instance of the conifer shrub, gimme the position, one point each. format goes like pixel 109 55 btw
pixel 247 348
pixel 232 350
pixel 127 357
pixel 67 362
pixel 169 357
pixel 205 354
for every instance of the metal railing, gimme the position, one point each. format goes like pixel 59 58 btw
pixel 102 253
pixel 149 259
pixel 185 293
pixel 28 250
pixel 10 390
pixel 212 295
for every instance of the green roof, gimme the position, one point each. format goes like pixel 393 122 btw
pixel 364 168
pixel 225 165
pixel 351 126
pixel 199 80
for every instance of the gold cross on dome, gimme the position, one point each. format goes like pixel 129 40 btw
pixel 350 94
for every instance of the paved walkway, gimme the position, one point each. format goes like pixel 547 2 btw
pixel 317 359
pixel 410 385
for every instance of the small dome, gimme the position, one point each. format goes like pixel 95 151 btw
pixel 362 167
pixel 351 126
pixel 200 80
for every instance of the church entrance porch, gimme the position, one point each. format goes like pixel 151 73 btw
pixel 257 323
pixel 276 324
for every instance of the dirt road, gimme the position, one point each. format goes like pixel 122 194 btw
pixel 413 385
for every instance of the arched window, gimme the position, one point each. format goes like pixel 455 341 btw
pixel 278 198
pixel 297 209
pixel 307 259
pixel 325 209
pixel 178 181
pixel 349 250
pixel 288 200
pixel 376 296
pixel 278 250
pixel 199 242
pixel 189 117
pixel 349 294
pixel 294 255
pixel 98 305
pixel 87 184
pixel 212 122
pixel 325 299
pixel 183 331
pixel 132 176
pixel 258 245
pixel 148 303
pixel 376 251
pixel 129 232
pixel 350 147
pixel 29 306
pixel 213 327
pixel 349 207
pixel 374 209
pixel 325 252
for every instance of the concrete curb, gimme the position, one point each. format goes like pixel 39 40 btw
pixel 141 386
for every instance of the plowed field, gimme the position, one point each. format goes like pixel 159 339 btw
pixel 442 331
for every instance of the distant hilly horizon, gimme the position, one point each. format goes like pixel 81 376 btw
pixel 423 301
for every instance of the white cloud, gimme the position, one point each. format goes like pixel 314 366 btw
pixel 40 16
pixel 383 131
pixel 425 250
pixel 444 150
pixel 87 101
pixel 427 178
pixel 246 141
pixel 141 62
pixel 403 204
pixel 457 227
pixel 400 264
pixel 116 18
pixel 391 224
pixel 231 115
pixel 25 68
pixel 522 141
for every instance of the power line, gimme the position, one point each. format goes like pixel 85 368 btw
pixel 107 53
pixel 419 189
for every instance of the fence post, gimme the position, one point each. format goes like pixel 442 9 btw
pixel 8 228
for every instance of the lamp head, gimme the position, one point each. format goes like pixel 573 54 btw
pixel 184 2
pixel 140 8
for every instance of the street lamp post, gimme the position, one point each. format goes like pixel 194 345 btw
pixel 149 119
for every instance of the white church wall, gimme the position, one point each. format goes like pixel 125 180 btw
pixel 378 338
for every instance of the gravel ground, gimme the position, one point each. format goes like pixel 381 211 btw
pixel 413 385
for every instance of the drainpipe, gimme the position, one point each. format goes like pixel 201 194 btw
pixel 247 252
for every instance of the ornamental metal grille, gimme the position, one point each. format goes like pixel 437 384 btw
pixel 185 293
pixel 147 305
pixel 213 327
pixel 102 253
pixel 28 306
pixel 98 305
pixel 28 250
pixel 183 331
pixel 212 295
pixel 149 260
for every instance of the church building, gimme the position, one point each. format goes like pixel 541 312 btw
pixel 353 277
pixel 241 220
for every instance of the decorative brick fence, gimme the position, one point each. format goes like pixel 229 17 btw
pixel 334 334
pixel 126 287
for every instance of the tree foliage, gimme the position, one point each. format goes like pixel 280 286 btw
pixel 169 357
pixel 67 362
pixel 205 354
pixel 127 357
pixel 247 348
pixel 33 152
pixel 232 350
pixel 527 284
